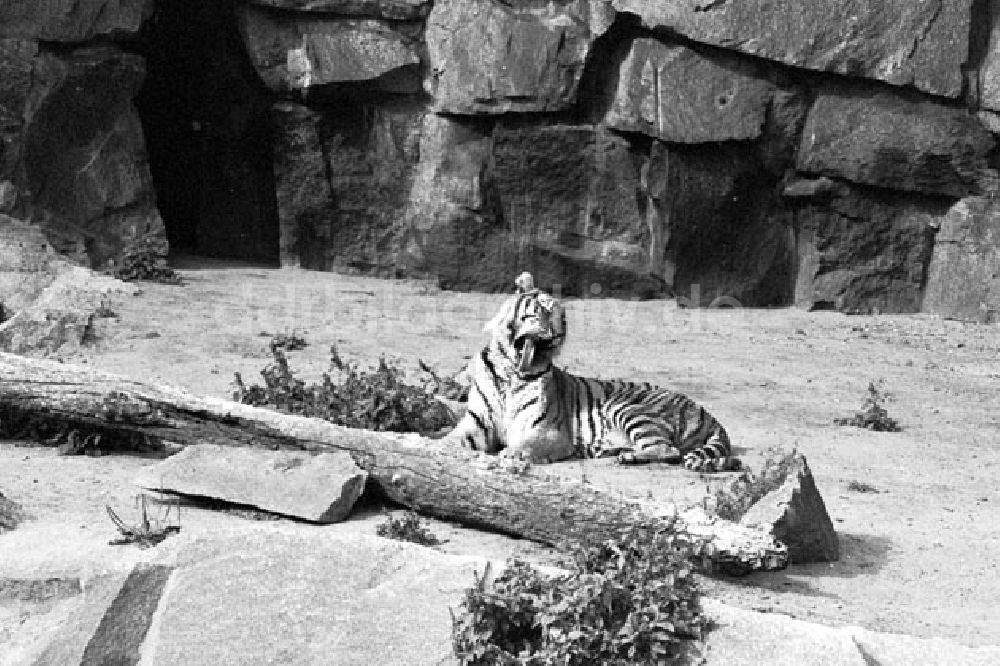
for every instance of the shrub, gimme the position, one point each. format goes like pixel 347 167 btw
pixel 144 260
pixel 873 414
pixel 861 487
pixel 733 501
pixel 407 528
pixel 376 400
pixel 628 600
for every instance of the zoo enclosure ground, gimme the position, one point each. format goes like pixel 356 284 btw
pixel 919 556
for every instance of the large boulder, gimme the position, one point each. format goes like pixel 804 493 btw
pixel 862 250
pixel 82 165
pixel 988 80
pixel 873 136
pixel 320 488
pixel 500 57
pixel 400 10
pixel 297 51
pixel 674 93
pixel 73 20
pixel 963 280
pixel 923 44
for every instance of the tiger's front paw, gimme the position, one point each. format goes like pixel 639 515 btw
pixel 525 454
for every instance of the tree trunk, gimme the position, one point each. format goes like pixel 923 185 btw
pixel 455 484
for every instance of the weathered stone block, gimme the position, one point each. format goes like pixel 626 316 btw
pixel 17 58
pixel 863 250
pixel 321 488
pixel 296 52
pixel 400 10
pixel 963 280
pixel 492 57
pixel 871 136
pixel 795 514
pixel 72 20
pixel 923 44
pixel 674 93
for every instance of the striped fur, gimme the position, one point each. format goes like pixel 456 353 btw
pixel 531 409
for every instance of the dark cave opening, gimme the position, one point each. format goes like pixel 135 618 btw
pixel 207 124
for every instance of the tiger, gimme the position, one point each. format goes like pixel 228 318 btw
pixel 521 405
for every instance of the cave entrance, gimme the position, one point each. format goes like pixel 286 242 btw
pixel 206 119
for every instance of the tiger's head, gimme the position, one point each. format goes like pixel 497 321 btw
pixel 530 328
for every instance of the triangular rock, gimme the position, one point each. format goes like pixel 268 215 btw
pixel 795 514
pixel 321 488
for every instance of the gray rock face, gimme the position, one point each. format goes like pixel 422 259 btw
pixel 875 137
pixel 989 70
pixel 492 57
pixel 795 514
pixel 923 44
pixel 28 264
pixel 963 280
pixel 72 20
pixel 295 52
pixel 389 9
pixel 83 166
pixel 674 93
pixel 345 216
pixel 16 59
pixel 321 488
pixel 863 250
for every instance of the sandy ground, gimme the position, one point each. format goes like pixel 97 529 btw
pixel 919 556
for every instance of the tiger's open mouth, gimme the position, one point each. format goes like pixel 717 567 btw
pixel 534 352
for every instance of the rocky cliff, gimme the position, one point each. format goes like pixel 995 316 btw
pixel 759 152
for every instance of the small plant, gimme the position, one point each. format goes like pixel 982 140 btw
pixel 862 487
pixel 632 599
pixel 407 528
pixel 147 533
pixel 78 444
pixel 288 342
pixel 376 400
pixel 733 501
pixel 873 414
pixel 144 259
pixel 104 310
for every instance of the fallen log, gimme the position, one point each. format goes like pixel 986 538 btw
pixel 449 483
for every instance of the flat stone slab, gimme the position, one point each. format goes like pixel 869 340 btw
pixel 321 488
pixel 287 595
pixel 747 638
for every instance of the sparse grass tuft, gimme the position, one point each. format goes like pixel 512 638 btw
pixel 862 487
pixel 873 414
pixel 407 528
pixel 628 600
pixel 732 502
